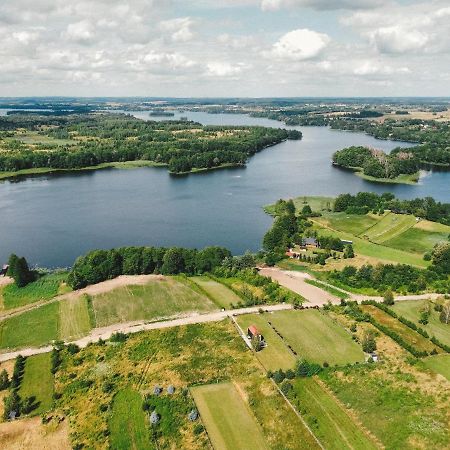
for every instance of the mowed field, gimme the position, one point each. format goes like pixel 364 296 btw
pixel 156 299
pixel 74 318
pixel 316 337
pixel 329 421
pixel 438 364
pixel 392 237
pixel 127 424
pixel 411 311
pixel 412 337
pixel 38 382
pixel 276 354
pixel 228 420
pixel 220 294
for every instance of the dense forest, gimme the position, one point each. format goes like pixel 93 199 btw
pixel 376 163
pixel 85 140
pixel 433 151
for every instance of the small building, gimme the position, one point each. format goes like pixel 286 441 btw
pixel 193 415
pixel 253 332
pixel 171 389
pixel 346 242
pixel 4 269
pixel 310 242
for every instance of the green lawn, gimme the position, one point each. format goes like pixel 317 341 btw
pixel 32 328
pixel 156 299
pixel 276 355
pixel 334 428
pixel 408 335
pixel 228 420
pixel 417 240
pixel 316 337
pixel 438 364
pixel 411 311
pixel 350 223
pixel 371 249
pixel 38 382
pixel 127 425
pixel 221 295
pixel 44 288
pixel 73 318
pixel 389 227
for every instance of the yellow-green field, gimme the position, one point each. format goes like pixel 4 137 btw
pixel 410 336
pixel 73 318
pixel 332 425
pixel 276 354
pixel 411 311
pixel 221 295
pixel 38 382
pixel 228 420
pixel 156 299
pixel 316 337
pixel 389 227
pixel 438 364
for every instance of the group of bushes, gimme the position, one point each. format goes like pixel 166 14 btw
pixel 101 265
pixel 396 277
pixel 14 405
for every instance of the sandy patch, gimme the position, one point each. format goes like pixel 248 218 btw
pixel 31 434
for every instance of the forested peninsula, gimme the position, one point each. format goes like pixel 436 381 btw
pixel 402 164
pixel 31 143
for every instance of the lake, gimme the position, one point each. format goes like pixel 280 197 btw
pixel 51 219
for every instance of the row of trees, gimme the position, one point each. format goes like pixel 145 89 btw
pixel 114 138
pixel 401 277
pixel 101 265
pixel 363 202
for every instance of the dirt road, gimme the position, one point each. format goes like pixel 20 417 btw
pixel 295 281
pixel 135 327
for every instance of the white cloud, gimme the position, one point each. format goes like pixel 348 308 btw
pixel 273 5
pixel 397 39
pixel 299 45
pixel 369 68
pixel 81 32
pixel 223 69
pixel 179 28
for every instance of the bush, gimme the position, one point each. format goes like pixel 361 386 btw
pixel 279 376
pixel 118 337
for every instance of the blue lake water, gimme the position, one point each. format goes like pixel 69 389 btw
pixel 51 219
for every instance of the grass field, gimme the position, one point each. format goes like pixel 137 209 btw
pixel 439 364
pixel 333 291
pixel 316 337
pixel 410 336
pixel 230 423
pixel 353 224
pixel 418 240
pixel 32 328
pixel 411 311
pixel 389 227
pixel 38 382
pixel 276 355
pixel 397 403
pixel 127 425
pixel 73 318
pixel 334 428
pixel 221 295
pixel 45 288
pixel 156 299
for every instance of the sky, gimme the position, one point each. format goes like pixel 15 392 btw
pixel 225 48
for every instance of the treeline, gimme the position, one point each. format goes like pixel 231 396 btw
pixel 376 163
pixel 363 202
pixel 399 277
pixel 433 136
pixel 105 138
pixel 101 265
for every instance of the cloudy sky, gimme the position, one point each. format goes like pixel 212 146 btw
pixel 251 48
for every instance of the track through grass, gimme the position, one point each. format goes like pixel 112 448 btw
pixel 74 319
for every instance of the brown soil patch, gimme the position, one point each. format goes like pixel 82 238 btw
pixel 31 434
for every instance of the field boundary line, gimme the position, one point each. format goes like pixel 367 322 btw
pixel 350 413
